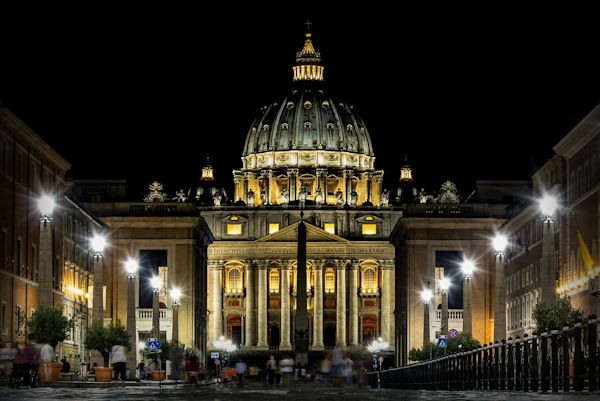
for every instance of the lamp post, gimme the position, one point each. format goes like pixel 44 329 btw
pixel 444 286
pixel 499 244
pixel 131 267
pixel 548 205
pixel 376 347
pixel 426 297
pixel 467 268
pixel 98 243
pixel 156 284
pixel 176 295
pixel 46 206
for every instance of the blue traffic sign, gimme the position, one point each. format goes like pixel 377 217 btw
pixel 153 345
pixel 442 343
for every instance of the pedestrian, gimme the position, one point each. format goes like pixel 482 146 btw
pixel 141 367
pixel 347 371
pixel 337 364
pixel 176 360
pixel 7 357
pixel 271 366
pixel 278 375
pixel 240 369
pixel 66 368
pixel 325 370
pixel 287 369
pixel 118 362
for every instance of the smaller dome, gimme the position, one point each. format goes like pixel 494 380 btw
pixel 209 192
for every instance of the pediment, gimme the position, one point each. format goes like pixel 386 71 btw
pixel 313 234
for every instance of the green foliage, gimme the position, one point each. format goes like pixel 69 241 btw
pixel 48 326
pixel 462 342
pixel 551 315
pixel 102 339
pixel 165 352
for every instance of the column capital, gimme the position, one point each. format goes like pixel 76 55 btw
pixel 292 171
pixel 321 172
pixel 319 264
pixel 379 178
pixel 261 264
pixel 265 173
pixel 348 173
pixel 368 175
pixel 248 175
pixel 237 178
pixel 387 264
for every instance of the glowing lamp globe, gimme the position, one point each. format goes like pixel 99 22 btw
pixel 548 205
pixel 467 267
pixel 98 243
pixel 500 243
pixel 46 205
pixel 176 294
pixel 426 295
pixel 155 282
pixel 444 284
pixel 131 266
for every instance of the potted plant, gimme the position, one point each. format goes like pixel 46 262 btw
pixel 102 339
pixel 48 326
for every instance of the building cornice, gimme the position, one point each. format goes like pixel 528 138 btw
pixel 578 137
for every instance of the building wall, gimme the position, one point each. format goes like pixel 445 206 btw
pixel 28 168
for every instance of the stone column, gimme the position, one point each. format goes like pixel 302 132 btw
pixel 369 179
pixel 249 337
pixel 444 324
pixel 348 174
pixel 155 314
pixel 98 307
pixel 318 308
pixel 217 301
pixel 292 178
pixel 353 294
pixel 322 182
pixel 46 259
pixel 266 179
pixel 262 306
pixel 467 305
pixel 500 299
pixel 131 329
pixel 379 181
pixel 548 263
pixel 426 334
pixel 247 178
pixel 386 302
pixel 285 307
pixel 340 327
pixel 236 180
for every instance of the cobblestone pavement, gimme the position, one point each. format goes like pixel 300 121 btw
pixel 256 392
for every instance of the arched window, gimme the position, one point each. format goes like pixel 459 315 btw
pixel 368 280
pixel 235 280
pixel 329 281
pixel 274 281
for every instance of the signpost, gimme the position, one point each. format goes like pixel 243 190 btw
pixel 154 347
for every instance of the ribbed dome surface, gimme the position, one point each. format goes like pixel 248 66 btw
pixel 308 120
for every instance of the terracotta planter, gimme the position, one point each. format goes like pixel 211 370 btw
pixel 155 375
pixel 103 374
pixel 49 371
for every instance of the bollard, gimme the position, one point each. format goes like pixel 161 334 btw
pixel 554 356
pixel 545 364
pixel 526 363
pixel 592 356
pixel 503 366
pixel 579 367
pixel 510 369
pixel 518 366
pixel 479 370
pixel 535 371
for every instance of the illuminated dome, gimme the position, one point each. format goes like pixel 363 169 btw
pixel 308 120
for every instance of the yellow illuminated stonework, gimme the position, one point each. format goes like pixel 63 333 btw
pixel 330 228
pixel 207 174
pixel 273 228
pixel 234 229
pixel 406 174
pixel 369 229
pixel 329 281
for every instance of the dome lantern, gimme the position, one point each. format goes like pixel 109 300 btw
pixel 308 61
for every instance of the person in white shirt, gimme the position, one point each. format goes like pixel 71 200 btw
pixel 118 356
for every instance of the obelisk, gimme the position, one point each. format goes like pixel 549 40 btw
pixel 301 332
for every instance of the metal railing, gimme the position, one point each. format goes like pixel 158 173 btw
pixel 562 360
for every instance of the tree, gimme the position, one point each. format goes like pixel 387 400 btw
pixel 462 342
pixel 102 339
pixel 553 315
pixel 48 325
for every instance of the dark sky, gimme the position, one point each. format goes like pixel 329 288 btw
pixel 147 93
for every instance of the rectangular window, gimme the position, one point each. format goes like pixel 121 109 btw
pixel 273 303
pixel 369 229
pixel 330 228
pixel 234 229
pixel 20 321
pixel 273 228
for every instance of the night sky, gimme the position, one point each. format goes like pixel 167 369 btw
pixel 146 94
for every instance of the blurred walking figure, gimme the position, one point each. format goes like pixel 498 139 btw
pixel 240 368
pixel 287 369
pixel 337 365
pixel 325 370
pixel 271 366
pixel 347 370
pixel 7 357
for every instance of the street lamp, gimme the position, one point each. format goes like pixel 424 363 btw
pixel 376 347
pixel 156 283
pixel 175 295
pixel 500 243
pixel 548 205
pixel 467 268
pixel 131 267
pixel 444 286
pixel 426 297
pixel 46 204
pixel 98 243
